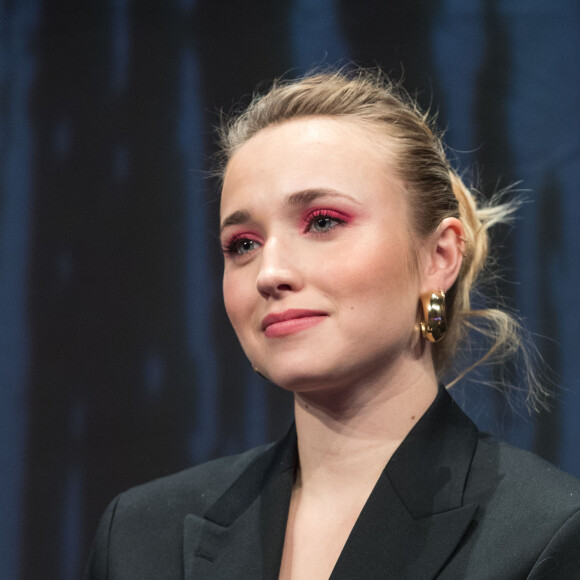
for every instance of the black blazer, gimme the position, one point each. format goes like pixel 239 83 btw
pixel 452 503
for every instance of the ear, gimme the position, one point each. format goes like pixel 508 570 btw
pixel 443 256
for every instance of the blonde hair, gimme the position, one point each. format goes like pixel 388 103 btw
pixel 434 189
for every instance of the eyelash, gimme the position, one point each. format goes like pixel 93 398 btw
pixel 323 214
pixel 233 246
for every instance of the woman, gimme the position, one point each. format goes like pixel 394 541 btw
pixel 351 248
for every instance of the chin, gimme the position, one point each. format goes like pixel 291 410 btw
pixel 291 380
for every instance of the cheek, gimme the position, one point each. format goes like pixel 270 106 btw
pixel 378 281
pixel 376 267
pixel 235 299
pixel 239 300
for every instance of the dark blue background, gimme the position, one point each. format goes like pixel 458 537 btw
pixel 117 361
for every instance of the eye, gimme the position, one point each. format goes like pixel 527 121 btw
pixel 240 246
pixel 322 221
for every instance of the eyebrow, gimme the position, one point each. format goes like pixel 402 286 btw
pixel 309 195
pixel 300 198
pixel 236 218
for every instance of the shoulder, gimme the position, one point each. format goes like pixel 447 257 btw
pixel 528 516
pixel 192 490
pixel 500 470
pixel 142 528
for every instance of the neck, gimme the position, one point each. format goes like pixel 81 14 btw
pixel 349 435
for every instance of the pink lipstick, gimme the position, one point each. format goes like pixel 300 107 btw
pixel 291 321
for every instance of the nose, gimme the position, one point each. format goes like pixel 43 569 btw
pixel 279 272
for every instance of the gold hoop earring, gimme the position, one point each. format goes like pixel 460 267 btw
pixel 434 323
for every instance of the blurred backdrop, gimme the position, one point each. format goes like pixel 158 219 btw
pixel 117 363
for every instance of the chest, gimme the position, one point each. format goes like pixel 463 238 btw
pixel 315 537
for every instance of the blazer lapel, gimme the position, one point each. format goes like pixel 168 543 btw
pixel 414 518
pixel 408 529
pixel 242 534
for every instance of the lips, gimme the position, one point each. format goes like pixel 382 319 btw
pixel 290 321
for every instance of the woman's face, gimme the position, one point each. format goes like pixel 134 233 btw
pixel 319 282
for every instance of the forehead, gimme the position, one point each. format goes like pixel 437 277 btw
pixel 313 152
pixel 316 130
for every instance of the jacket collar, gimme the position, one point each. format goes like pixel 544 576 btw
pixel 409 527
pixel 242 534
pixel 430 467
pixel 415 517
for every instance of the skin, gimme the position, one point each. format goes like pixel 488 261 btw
pixel 314 218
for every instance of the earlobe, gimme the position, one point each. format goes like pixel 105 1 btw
pixel 446 256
